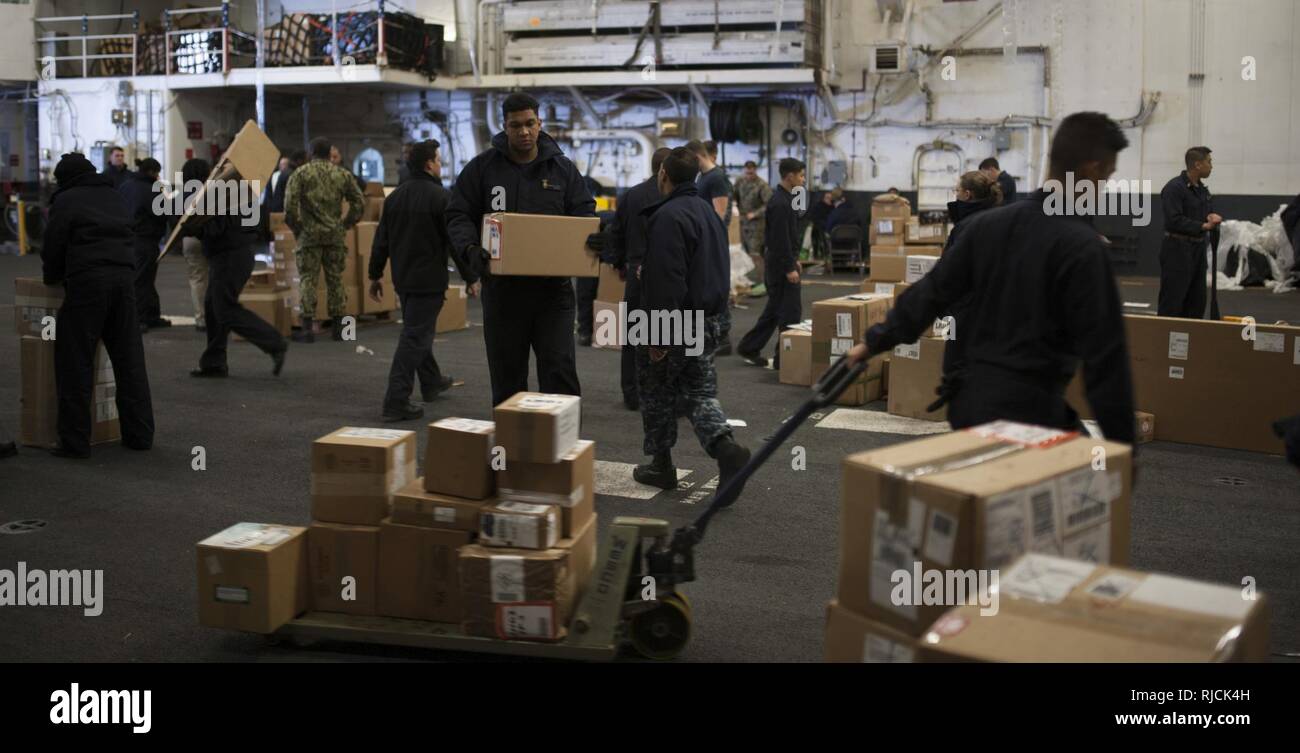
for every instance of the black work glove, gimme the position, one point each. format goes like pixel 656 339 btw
pixel 596 242
pixel 478 259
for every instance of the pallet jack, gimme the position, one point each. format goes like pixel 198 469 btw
pixel 635 554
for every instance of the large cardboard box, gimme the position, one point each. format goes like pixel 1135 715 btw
pixel 933 233
pixel 889 217
pixel 610 288
pixel 796 357
pixel 887 266
pixel 277 221
pixel 373 210
pixel 419 572
pixel 351 300
pixel 458 458
pixel 33 301
pixel 540 245
pixel 274 306
pixel 1211 385
pixel 525 594
pixel 537 428
pixel 838 325
pixel 853 638
pixel 413 506
pixel 365 232
pixel 261 281
pixel 455 310
pixel 569 485
pixel 38 419
pixel 987 495
pixel 373 188
pixel 607 325
pixel 520 525
pixel 1058 610
pixel 252 577
pixel 336 552
pixel 355 471
pixel 915 372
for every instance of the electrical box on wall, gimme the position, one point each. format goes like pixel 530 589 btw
pixel 122 117
pixel 1002 139
pixel 672 128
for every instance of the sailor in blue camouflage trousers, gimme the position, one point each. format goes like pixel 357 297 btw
pixel 686 277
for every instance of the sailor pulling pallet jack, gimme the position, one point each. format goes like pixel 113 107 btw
pixel 1043 297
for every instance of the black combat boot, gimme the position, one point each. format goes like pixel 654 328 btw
pixel 731 458
pixel 660 472
pixel 304 334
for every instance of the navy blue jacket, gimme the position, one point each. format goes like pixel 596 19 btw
pixel 781 235
pixel 627 233
pixel 148 226
pixel 89 228
pixel 413 233
pixel 550 184
pixel 687 265
pixel 1042 297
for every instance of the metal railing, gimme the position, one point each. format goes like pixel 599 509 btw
pixel 49 62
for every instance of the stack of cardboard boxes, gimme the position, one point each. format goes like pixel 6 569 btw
pixel 455 310
pixel 38 398
pixel 969 501
pixel 837 325
pixel 446 547
pixel 537 544
pixel 889 218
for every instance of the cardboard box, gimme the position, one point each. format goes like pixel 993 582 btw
pixel 884 376
pixel 889 219
pixel 275 307
pixel 261 281
pixel 373 188
pixel 933 233
pixel 521 525
pixel 610 288
pixel 882 288
pixel 569 484
pixel 989 494
pixel 419 572
pixel 373 209
pixel 336 552
pixel 355 471
pixel 1146 427
pixel 537 428
pixel 458 458
pixel 523 594
pixel 284 258
pixel 351 300
pixel 915 372
pixel 796 357
pixel 252 577
pixel 540 245
pixel 838 325
pixel 277 221
pixel 33 301
pixel 1057 610
pixel 607 325
pixel 1210 385
pixel 365 232
pixel 918 266
pixel 887 267
pixel 455 310
pixel 413 506
pixel 854 638
pixel 923 250
pixel 38 420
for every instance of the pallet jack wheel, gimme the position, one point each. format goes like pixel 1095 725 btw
pixel 663 632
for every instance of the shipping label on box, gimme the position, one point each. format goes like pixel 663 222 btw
pixel 536 427
pixel 569 484
pixel 252 577
pixel 33 301
pixel 918 266
pixel 520 524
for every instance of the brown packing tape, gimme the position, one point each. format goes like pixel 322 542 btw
pixel 895 480
pixel 351 484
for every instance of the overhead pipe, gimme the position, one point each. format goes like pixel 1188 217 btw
pixel 578 135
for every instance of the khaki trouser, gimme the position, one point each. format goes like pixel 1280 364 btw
pixel 192 248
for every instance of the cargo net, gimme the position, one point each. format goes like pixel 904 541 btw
pixel 309 39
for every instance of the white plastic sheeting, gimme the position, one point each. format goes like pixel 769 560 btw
pixel 1265 237
pixel 741 266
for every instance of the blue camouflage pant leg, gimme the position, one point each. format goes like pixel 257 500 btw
pixel 695 379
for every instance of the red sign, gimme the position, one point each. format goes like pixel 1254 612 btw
pixel 194 128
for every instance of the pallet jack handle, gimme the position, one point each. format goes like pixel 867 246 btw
pixel 836 379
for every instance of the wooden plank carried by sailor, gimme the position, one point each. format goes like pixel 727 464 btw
pixel 251 156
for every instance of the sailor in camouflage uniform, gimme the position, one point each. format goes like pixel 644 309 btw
pixel 752 195
pixel 312 206
pixel 686 272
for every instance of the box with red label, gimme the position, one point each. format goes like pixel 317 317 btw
pixel 540 245
pixel 972 501
pixel 525 594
